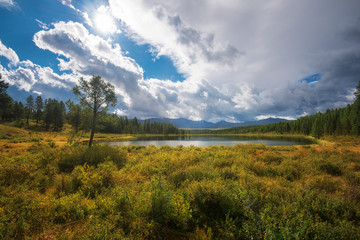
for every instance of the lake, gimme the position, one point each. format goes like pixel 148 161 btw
pixel 209 140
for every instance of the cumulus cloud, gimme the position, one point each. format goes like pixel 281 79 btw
pixel 9 54
pixel 27 74
pixel 23 78
pixel 242 60
pixel 86 55
pixel 104 21
pixel 84 50
pixel 283 42
pixel 192 51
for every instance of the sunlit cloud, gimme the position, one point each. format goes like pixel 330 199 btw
pixel 262 117
pixel 237 61
pixel 9 54
pixel 104 21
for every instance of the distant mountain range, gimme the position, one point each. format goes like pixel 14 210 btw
pixel 186 123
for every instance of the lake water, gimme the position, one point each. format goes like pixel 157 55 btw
pixel 207 140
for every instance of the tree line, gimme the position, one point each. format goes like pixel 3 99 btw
pixel 80 119
pixel 340 121
pixel 51 114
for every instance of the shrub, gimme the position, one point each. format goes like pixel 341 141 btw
pixel 228 173
pixel 34 139
pixel 271 157
pixel 71 208
pixel 326 183
pixel 2 136
pixel 330 168
pixel 92 157
pixel 160 210
pixel 22 214
pixel 222 209
pixel 211 203
pixel 17 170
pixel 51 143
pixel 91 180
pixel 63 184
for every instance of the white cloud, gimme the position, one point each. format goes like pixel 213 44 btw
pixel 81 43
pixel 262 117
pixel 282 42
pixel 85 15
pixel 26 75
pixel 68 3
pixel 241 59
pixel 7 3
pixel 87 55
pixel 42 25
pixel 23 78
pixel 245 99
pixel 104 21
pixel 87 19
pixel 120 112
pixel 193 52
pixel 9 54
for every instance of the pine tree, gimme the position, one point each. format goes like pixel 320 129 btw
pixel 97 95
pixel 29 108
pixel 39 105
pixel 74 114
pixel 18 110
pixel 6 102
pixel 317 128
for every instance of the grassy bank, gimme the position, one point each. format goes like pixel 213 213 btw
pixel 52 190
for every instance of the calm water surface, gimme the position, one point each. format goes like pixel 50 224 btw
pixel 206 140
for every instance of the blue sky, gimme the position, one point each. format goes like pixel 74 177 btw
pixel 202 60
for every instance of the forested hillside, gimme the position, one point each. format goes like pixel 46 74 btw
pixel 341 121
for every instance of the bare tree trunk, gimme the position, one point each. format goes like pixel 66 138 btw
pixel 92 129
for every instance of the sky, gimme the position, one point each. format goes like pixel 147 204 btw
pixel 233 60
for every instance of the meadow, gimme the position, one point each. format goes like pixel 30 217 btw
pixel 52 186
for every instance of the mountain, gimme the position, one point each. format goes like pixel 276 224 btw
pixel 186 123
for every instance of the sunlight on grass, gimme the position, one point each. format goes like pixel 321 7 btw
pixel 53 188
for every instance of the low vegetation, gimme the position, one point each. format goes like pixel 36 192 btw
pixel 69 191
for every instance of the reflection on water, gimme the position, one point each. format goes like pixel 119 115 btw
pixel 209 140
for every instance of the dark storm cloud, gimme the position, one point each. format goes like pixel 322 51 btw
pixel 353 34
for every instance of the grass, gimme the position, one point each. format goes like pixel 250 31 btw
pixel 52 188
